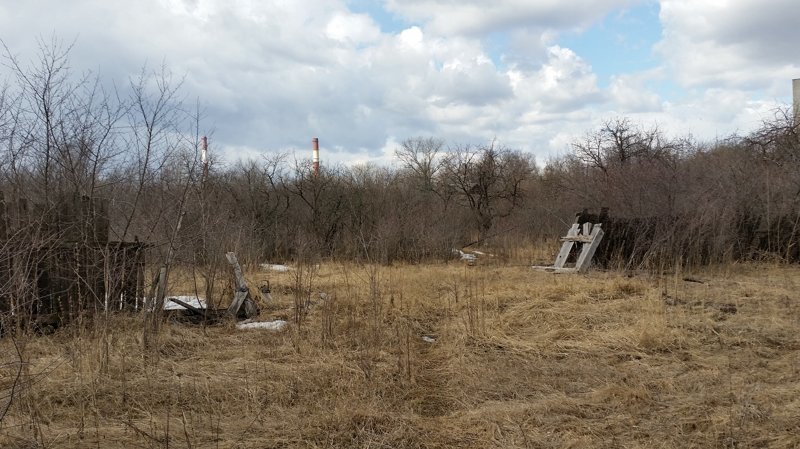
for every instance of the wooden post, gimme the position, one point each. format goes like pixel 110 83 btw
pixel 238 298
pixel 242 294
pixel 561 259
pixel 240 281
pixel 588 250
pixel 158 301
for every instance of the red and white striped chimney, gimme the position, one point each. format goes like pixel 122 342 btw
pixel 315 147
pixel 204 158
pixel 204 150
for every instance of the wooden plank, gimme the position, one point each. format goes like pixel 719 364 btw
pixel 250 308
pixel 585 259
pixel 561 259
pixel 573 231
pixel 187 306
pixel 239 279
pixel 587 229
pixel 238 299
pixel 578 238
pixel 242 295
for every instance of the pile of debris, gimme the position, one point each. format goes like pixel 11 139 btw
pixel 194 309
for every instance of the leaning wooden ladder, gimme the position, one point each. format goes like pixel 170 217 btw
pixel 589 236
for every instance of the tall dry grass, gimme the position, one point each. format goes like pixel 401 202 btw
pixel 519 359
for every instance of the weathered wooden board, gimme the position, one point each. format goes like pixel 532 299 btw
pixel 187 306
pixel 242 295
pixel 241 283
pixel 588 250
pixel 561 259
pixel 589 243
pixel 578 238
pixel 238 300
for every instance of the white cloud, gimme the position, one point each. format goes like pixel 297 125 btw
pixel 477 17
pixel 564 83
pixel 411 39
pixel 746 44
pixel 352 28
pixel 271 75
pixel 629 92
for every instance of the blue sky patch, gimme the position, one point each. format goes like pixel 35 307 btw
pixel 387 21
pixel 621 43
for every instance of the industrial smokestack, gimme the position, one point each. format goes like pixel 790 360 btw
pixel 204 158
pixel 796 101
pixel 315 147
pixel 204 150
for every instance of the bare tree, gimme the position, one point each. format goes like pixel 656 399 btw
pixel 618 142
pixel 321 203
pixel 488 179
pixel 155 121
pixel 259 201
pixel 422 156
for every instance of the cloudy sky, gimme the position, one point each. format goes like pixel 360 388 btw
pixel 363 75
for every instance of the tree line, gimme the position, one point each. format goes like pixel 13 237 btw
pixel 674 199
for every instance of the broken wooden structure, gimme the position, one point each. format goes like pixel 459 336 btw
pixel 587 236
pixel 242 307
pixel 57 261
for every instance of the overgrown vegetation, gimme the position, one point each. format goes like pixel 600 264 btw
pixel 518 359
pixel 64 135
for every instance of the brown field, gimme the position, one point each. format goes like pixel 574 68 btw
pixel 520 359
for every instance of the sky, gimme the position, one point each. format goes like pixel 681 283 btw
pixel 363 75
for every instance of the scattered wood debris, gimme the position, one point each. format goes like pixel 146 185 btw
pixel 469 258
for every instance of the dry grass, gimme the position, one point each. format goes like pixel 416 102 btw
pixel 521 359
